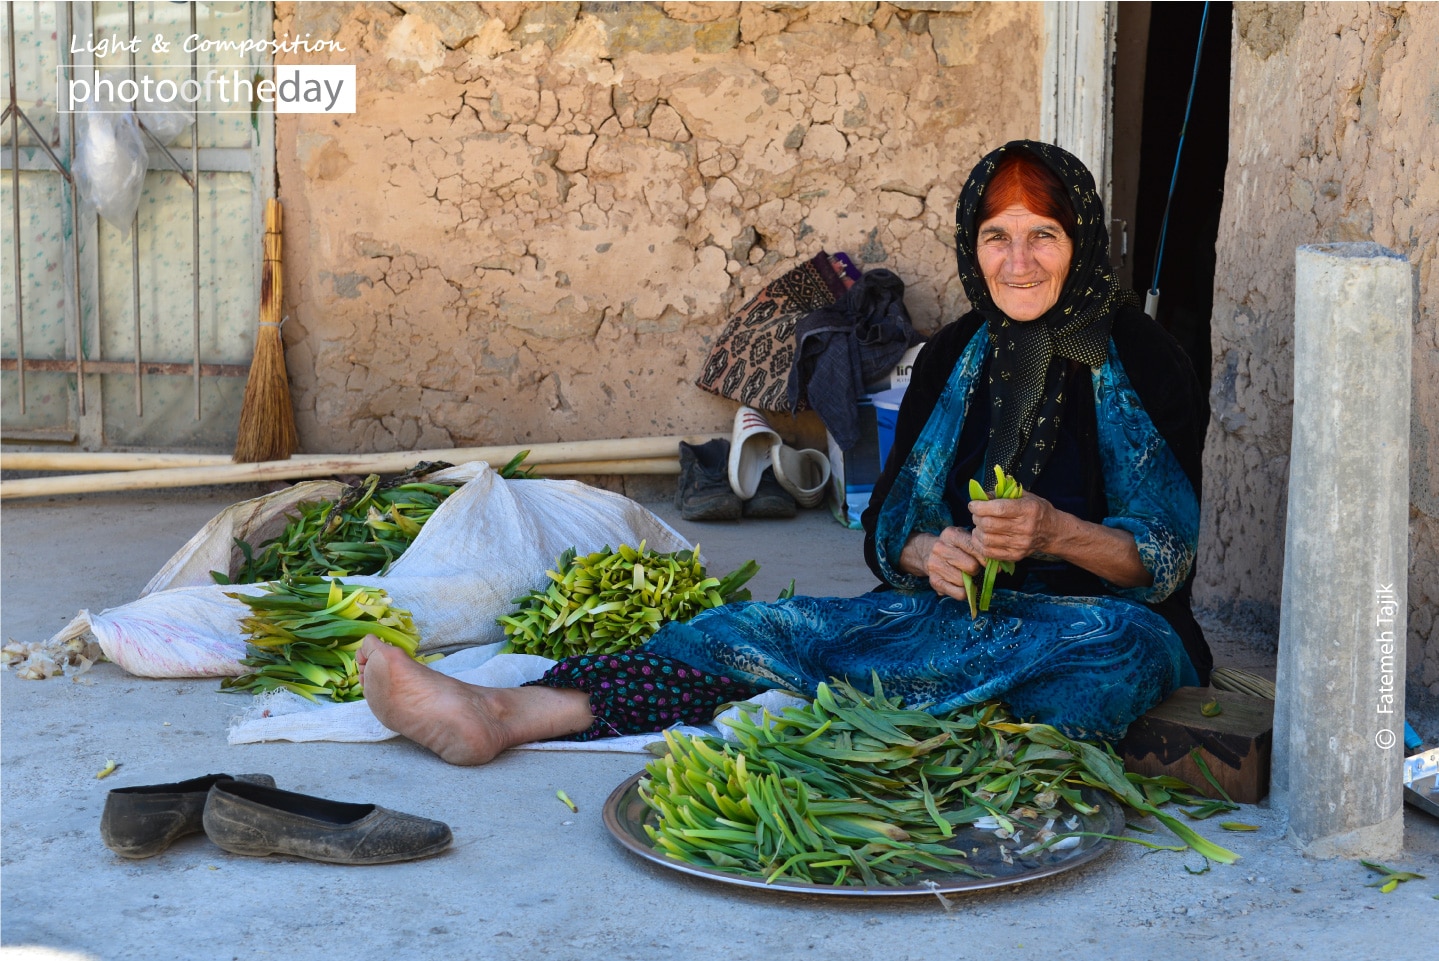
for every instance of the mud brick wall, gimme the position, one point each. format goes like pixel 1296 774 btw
pixel 540 214
pixel 1332 138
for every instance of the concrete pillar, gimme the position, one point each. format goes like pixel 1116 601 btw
pixel 1339 718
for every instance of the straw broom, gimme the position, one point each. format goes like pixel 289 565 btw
pixel 267 419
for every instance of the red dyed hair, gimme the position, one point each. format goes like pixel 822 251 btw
pixel 1023 179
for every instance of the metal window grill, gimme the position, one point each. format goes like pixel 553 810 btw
pixel 83 359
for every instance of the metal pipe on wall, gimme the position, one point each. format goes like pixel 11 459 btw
pixel 195 209
pixel 77 305
pixel 135 245
pixel 13 111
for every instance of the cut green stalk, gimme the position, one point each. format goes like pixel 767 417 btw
pixel 1391 878
pixel 1203 766
pixel 1005 488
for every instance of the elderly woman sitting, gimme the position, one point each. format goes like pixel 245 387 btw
pixel 1055 376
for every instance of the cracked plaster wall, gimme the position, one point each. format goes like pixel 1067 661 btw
pixel 540 215
pixel 1333 111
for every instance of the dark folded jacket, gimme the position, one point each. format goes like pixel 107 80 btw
pixel 846 345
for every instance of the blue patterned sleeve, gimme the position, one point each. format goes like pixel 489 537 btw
pixel 1148 493
pixel 915 502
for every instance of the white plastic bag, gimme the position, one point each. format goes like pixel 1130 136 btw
pixel 488 543
pixel 253 521
pixel 164 123
pixel 110 162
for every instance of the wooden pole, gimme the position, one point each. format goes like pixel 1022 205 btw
pixel 648 465
pixel 627 456
pixel 550 453
pixel 106 461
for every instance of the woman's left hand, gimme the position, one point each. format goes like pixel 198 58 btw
pixel 1013 529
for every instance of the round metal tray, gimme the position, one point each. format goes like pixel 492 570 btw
pixel 626 815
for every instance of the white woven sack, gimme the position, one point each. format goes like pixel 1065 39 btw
pixel 253 521
pixel 488 543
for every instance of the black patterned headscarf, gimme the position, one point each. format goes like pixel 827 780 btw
pixel 1028 360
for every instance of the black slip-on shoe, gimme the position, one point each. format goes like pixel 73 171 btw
pixel 259 821
pixel 704 492
pixel 770 500
pixel 140 822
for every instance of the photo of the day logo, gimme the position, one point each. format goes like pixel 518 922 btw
pixel 315 89
pixel 294 89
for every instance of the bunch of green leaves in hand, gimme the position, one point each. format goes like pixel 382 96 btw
pixel 1005 488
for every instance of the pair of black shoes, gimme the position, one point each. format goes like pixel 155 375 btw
pixel 705 494
pixel 249 815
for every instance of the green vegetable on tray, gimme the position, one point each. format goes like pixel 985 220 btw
pixel 613 600
pixel 303 635
pixel 857 790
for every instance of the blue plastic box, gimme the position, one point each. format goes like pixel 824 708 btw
pixel 886 413
pixel 852 474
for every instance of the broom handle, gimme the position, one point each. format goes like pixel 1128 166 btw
pixel 267 421
pixel 272 273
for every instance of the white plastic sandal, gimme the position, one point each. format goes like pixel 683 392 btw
pixel 804 473
pixel 750 450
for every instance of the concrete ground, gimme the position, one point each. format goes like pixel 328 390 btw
pixel 526 878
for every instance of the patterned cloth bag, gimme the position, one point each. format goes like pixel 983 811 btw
pixel 751 359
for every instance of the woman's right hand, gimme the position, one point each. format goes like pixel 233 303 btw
pixel 944 559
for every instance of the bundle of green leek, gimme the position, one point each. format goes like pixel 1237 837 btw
pixel 303 635
pixel 857 790
pixel 611 601
pixel 362 532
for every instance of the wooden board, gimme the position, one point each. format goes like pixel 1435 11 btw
pixel 1236 744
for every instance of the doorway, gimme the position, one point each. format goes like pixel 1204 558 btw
pixel 1154 63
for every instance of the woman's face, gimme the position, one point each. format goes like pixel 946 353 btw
pixel 1024 259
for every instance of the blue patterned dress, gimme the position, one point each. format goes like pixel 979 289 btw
pixel 1089 665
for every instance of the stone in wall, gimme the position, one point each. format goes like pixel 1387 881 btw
pixel 1331 139
pixel 541 214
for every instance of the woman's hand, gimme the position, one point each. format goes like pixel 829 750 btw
pixel 944 559
pixel 1011 529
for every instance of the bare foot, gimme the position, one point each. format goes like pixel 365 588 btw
pixel 462 723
